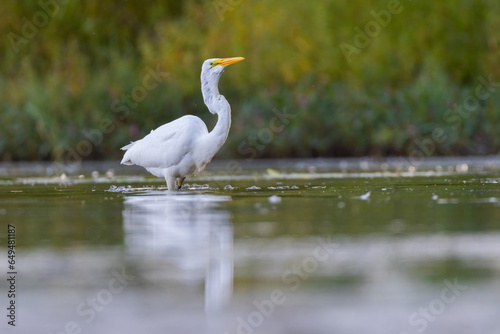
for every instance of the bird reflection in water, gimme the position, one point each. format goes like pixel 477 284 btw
pixel 185 238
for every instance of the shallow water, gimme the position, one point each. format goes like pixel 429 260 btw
pixel 337 246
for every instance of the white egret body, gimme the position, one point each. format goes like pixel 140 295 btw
pixel 184 147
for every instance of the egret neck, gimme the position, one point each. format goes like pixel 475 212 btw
pixel 217 104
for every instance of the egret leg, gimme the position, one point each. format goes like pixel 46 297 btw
pixel 179 182
pixel 171 183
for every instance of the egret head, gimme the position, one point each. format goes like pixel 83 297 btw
pixel 210 74
pixel 215 66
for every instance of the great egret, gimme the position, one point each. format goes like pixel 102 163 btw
pixel 184 147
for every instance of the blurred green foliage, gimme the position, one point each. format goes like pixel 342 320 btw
pixel 67 65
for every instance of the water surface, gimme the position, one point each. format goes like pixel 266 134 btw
pixel 341 246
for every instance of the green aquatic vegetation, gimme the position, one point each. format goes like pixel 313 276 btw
pixel 63 79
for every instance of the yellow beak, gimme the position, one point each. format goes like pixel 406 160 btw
pixel 229 61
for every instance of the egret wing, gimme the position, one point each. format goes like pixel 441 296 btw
pixel 167 145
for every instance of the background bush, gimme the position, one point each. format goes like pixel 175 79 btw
pixel 387 100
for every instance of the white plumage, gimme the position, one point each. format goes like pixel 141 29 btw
pixel 184 147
